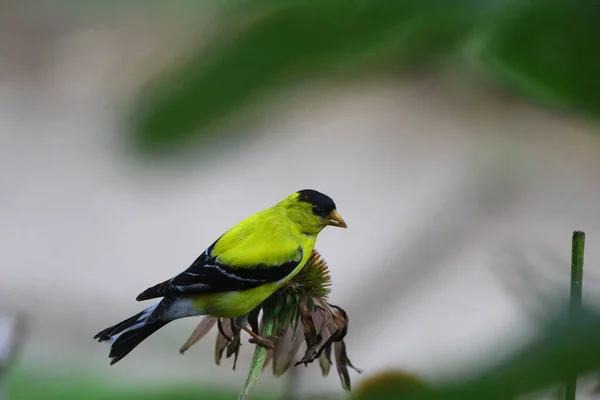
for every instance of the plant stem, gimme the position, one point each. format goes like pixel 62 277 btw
pixel 258 360
pixel 577 250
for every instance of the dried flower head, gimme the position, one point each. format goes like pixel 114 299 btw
pixel 398 382
pixel 297 312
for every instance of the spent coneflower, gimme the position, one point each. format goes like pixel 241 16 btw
pixel 397 382
pixel 296 313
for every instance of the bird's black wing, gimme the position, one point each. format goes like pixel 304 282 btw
pixel 208 275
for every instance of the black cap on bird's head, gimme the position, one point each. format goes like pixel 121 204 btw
pixel 322 206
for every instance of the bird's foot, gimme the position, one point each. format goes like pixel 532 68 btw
pixel 267 342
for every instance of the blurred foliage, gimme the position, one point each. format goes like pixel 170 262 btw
pixel 279 44
pixel 28 385
pixel 544 49
pixel 548 49
pixel 566 346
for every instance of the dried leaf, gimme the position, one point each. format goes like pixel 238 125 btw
pixel 201 330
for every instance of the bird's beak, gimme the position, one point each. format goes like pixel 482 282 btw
pixel 335 219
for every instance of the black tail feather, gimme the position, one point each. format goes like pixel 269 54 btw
pixel 153 292
pixel 107 333
pixel 131 332
pixel 130 339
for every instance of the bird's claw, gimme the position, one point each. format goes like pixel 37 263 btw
pixel 268 342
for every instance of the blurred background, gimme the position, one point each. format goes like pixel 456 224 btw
pixel 458 139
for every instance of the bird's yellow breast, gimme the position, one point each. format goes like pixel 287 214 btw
pixel 233 304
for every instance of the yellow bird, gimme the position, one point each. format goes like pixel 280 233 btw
pixel 236 273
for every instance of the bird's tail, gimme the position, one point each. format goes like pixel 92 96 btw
pixel 126 335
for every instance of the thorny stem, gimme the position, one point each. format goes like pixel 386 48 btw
pixel 578 246
pixel 258 360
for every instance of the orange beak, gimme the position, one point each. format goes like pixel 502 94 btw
pixel 335 219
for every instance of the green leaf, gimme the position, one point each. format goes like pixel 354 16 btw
pixel 280 44
pixel 548 50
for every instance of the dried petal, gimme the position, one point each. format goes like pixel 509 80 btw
pixel 268 358
pixel 325 351
pixel 225 333
pixel 310 335
pixel 233 348
pixel 342 362
pixel 325 361
pixel 337 325
pixel 286 348
pixel 340 319
pixel 223 339
pixel 318 316
pixel 324 315
pixel 334 324
pixel 201 330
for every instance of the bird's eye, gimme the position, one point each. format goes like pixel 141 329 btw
pixel 316 210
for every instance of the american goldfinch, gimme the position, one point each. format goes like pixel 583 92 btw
pixel 236 273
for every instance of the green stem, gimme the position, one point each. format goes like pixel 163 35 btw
pixel 258 360
pixel 577 249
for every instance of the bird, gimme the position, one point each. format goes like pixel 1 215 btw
pixel 236 273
